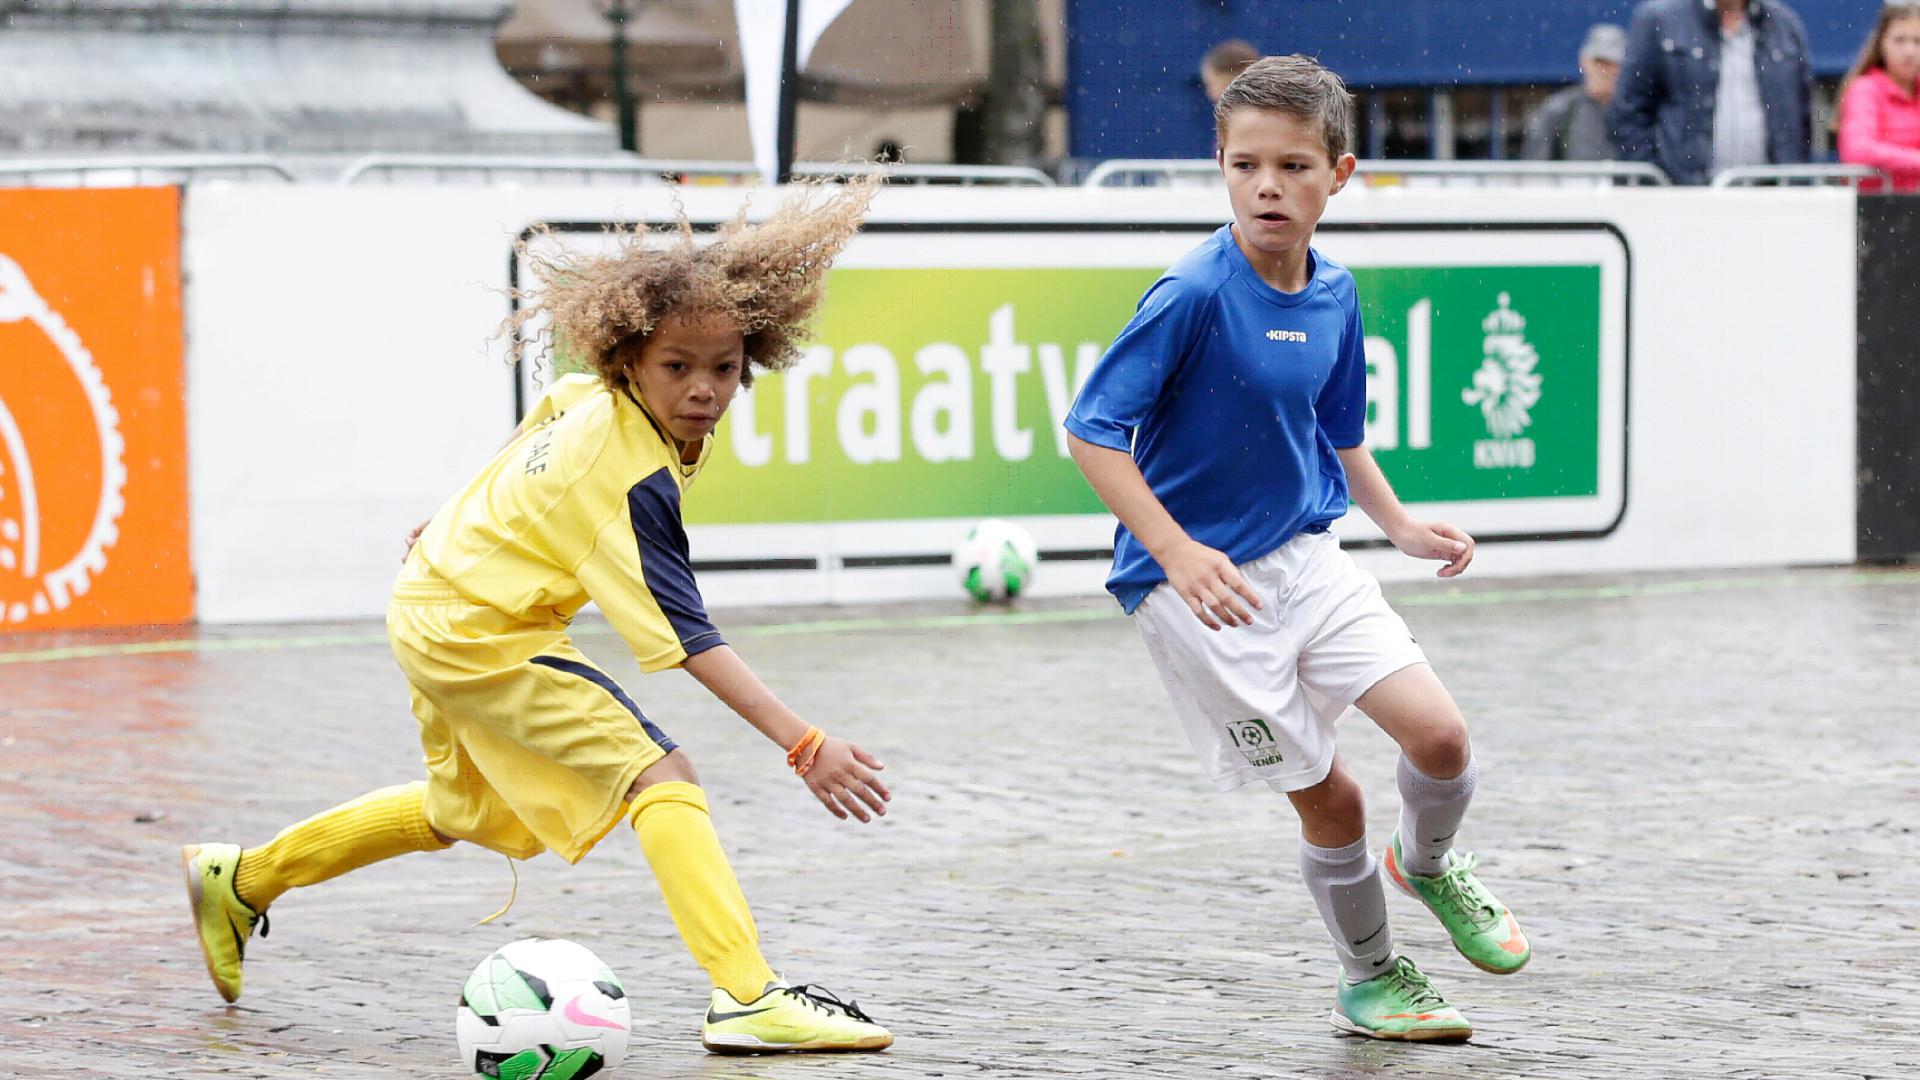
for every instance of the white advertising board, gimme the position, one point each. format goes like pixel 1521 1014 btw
pixel 1645 397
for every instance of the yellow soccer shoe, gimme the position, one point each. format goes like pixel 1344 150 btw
pixel 789 1018
pixel 223 922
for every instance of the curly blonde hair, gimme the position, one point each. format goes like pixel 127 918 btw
pixel 765 276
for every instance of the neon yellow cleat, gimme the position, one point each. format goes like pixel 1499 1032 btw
pixel 789 1018
pixel 222 921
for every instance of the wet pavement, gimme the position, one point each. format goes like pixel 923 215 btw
pixel 1698 794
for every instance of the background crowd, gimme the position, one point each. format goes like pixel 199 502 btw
pixel 1697 86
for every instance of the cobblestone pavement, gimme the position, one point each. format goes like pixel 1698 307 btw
pixel 1699 796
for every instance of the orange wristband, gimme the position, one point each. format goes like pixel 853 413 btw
pixel 800 757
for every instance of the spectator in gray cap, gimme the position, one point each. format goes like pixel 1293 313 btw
pixel 1572 124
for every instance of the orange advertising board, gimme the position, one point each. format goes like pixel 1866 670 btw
pixel 93 436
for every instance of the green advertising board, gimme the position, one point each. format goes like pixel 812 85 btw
pixel 940 370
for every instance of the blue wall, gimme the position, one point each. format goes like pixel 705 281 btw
pixel 1133 84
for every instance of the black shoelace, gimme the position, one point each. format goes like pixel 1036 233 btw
pixel 258 920
pixel 822 998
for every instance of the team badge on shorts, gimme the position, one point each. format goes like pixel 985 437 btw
pixel 1254 739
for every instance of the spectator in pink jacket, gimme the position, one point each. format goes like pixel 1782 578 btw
pixel 1879 113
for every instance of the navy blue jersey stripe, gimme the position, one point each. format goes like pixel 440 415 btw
pixel 603 681
pixel 654 506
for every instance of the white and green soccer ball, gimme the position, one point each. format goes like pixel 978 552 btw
pixel 542 1009
pixel 996 561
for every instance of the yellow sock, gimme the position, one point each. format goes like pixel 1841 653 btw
pixel 378 825
pixel 701 892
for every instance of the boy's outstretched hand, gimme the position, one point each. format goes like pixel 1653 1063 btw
pixel 842 779
pixel 1436 540
pixel 1210 584
pixel 838 773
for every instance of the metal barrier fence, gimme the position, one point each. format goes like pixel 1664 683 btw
pixel 120 171
pixel 443 168
pixel 439 168
pixel 138 170
pixel 642 170
pixel 1511 173
pixel 944 175
pixel 454 168
pixel 1152 173
pixel 1772 175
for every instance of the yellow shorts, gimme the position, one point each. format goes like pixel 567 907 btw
pixel 528 746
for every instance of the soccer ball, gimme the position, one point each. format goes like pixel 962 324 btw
pixel 996 560
pixel 542 1009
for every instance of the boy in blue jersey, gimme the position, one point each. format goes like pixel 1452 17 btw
pixel 1224 428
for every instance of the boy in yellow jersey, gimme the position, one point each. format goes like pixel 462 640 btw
pixel 528 745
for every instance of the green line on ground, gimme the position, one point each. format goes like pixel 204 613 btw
pixel 928 622
pixel 1452 598
pixel 190 645
pixel 880 623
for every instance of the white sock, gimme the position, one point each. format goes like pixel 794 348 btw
pixel 1430 815
pixel 1345 883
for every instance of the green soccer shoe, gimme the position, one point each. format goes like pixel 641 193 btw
pixel 1398 1004
pixel 1481 927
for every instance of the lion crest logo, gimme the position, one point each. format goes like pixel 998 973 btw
pixel 1505 387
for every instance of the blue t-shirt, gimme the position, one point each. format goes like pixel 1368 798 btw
pixel 1232 397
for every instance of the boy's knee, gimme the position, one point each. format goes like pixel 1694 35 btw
pixel 1443 749
pixel 675 767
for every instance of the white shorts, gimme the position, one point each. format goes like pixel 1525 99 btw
pixel 1259 702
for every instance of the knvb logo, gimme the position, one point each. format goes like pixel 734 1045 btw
pixel 1298 337
pixel 1254 739
pixel 53 539
pixel 1506 388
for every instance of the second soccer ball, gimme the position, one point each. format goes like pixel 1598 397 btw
pixel 996 561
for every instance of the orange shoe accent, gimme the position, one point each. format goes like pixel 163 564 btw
pixel 1516 942
pixel 1393 871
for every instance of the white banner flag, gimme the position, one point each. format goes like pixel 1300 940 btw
pixel 763 28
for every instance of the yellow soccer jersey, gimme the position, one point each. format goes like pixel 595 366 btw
pixel 583 504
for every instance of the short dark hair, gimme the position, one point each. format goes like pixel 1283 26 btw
pixel 1297 86
pixel 1230 57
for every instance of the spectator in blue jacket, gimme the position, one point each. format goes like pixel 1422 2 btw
pixel 1713 84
